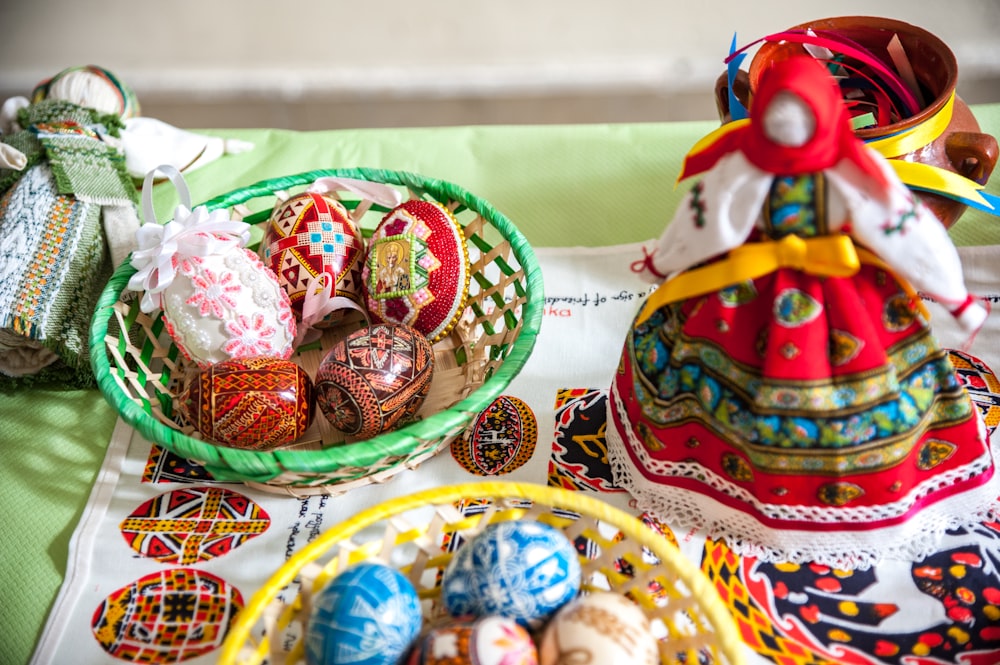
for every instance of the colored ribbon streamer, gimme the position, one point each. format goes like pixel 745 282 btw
pixel 830 256
pixel 736 109
pixel 835 45
pixel 927 177
pixel 936 180
pixel 916 137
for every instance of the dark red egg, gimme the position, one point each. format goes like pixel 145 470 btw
pixel 375 379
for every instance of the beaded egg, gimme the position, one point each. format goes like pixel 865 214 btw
pixel 311 243
pixel 254 403
pixel 367 615
pixel 417 268
pixel 521 570
pixel 375 379
pixel 490 640
pixel 599 627
pixel 218 299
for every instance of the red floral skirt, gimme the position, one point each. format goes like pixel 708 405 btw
pixel 800 418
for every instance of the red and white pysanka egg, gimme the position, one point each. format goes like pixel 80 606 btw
pixel 417 269
pixel 251 403
pixel 375 379
pixel 310 237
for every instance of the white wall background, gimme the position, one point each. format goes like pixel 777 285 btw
pixel 316 64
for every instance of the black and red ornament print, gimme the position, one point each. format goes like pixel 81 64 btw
pixel 192 525
pixel 166 617
pixel 500 439
pixel 579 458
pixel 164 466
pixel 981 384
pixel 943 609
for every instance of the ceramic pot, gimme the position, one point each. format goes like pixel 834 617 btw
pixel 961 148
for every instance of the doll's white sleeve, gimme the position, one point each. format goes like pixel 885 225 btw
pixel 715 216
pixel 911 240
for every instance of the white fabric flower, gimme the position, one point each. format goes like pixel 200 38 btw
pixel 191 233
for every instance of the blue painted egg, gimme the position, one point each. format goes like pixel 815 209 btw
pixel 368 615
pixel 521 570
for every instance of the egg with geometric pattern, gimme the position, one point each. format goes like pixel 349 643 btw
pixel 375 379
pixel 256 403
pixel 309 240
pixel 367 615
pixel 524 570
pixel 169 616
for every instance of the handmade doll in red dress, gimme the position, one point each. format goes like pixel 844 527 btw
pixel 782 389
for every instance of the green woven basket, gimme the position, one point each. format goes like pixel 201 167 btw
pixel 139 369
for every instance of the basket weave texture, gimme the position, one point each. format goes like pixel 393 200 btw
pixel 622 555
pixel 140 370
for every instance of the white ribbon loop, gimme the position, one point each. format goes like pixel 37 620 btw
pixel 191 233
pixel 318 303
pixel 370 192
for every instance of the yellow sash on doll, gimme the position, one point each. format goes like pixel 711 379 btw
pixel 827 256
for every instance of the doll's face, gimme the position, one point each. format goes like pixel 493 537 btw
pixel 788 120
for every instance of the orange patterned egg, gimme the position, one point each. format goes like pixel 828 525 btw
pixel 311 237
pixel 375 379
pixel 253 403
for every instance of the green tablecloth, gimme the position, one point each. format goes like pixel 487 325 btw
pixel 562 185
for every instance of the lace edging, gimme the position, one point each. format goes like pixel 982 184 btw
pixel 846 549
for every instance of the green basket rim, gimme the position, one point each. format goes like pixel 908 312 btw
pixel 263 466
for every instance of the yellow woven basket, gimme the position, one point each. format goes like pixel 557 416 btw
pixel 410 533
pixel 140 370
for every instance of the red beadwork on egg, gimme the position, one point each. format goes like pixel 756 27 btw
pixel 253 403
pixel 375 379
pixel 417 269
pixel 310 235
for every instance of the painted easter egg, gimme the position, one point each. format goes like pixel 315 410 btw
pixel 500 439
pixel 254 403
pixel 417 268
pixel 169 616
pixel 599 627
pixel 367 615
pixel 311 237
pixel 375 379
pixel 227 305
pixel 524 570
pixel 490 640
